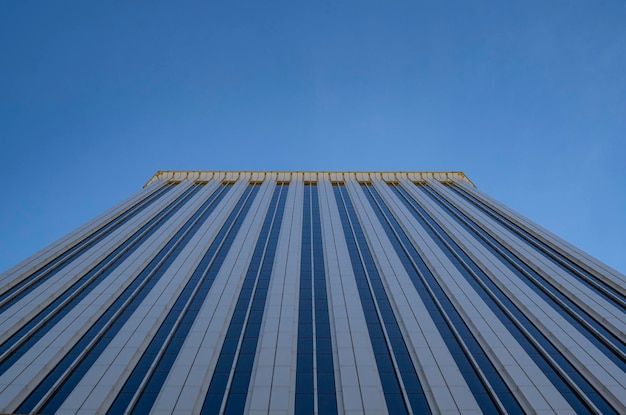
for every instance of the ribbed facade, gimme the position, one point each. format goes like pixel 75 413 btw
pixel 311 292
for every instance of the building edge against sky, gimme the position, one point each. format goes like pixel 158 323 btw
pixel 312 292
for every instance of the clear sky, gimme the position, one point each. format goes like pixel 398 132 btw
pixel 528 98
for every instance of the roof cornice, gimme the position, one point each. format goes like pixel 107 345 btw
pixel 201 175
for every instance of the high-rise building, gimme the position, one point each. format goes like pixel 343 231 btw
pixel 312 292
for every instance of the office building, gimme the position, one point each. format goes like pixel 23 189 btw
pixel 312 292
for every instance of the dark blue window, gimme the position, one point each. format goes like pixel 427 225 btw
pixel 453 330
pixel 313 301
pixel 563 375
pixel 252 297
pixel 591 281
pixel 83 353
pixel 23 339
pixel 15 293
pixel 513 319
pixel 366 275
pixel 187 305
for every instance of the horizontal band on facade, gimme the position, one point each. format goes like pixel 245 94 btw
pixel 197 175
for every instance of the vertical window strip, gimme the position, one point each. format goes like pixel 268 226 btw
pixel 19 291
pixel 588 279
pixel 305 378
pixel 401 386
pixel 234 365
pixel 489 389
pixel 143 385
pixel 52 391
pixel 565 378
pixel 315 359
pixel 609 344
pixel 30 333
pixel 325 372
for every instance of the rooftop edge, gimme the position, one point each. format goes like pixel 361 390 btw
pixel 181 175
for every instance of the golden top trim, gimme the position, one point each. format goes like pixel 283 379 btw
pixel 201 175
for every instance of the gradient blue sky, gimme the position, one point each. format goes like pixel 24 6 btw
pixel 527 98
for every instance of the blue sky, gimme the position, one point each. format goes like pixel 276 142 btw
pixel 527 98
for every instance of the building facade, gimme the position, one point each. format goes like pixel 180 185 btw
pixel 312 292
